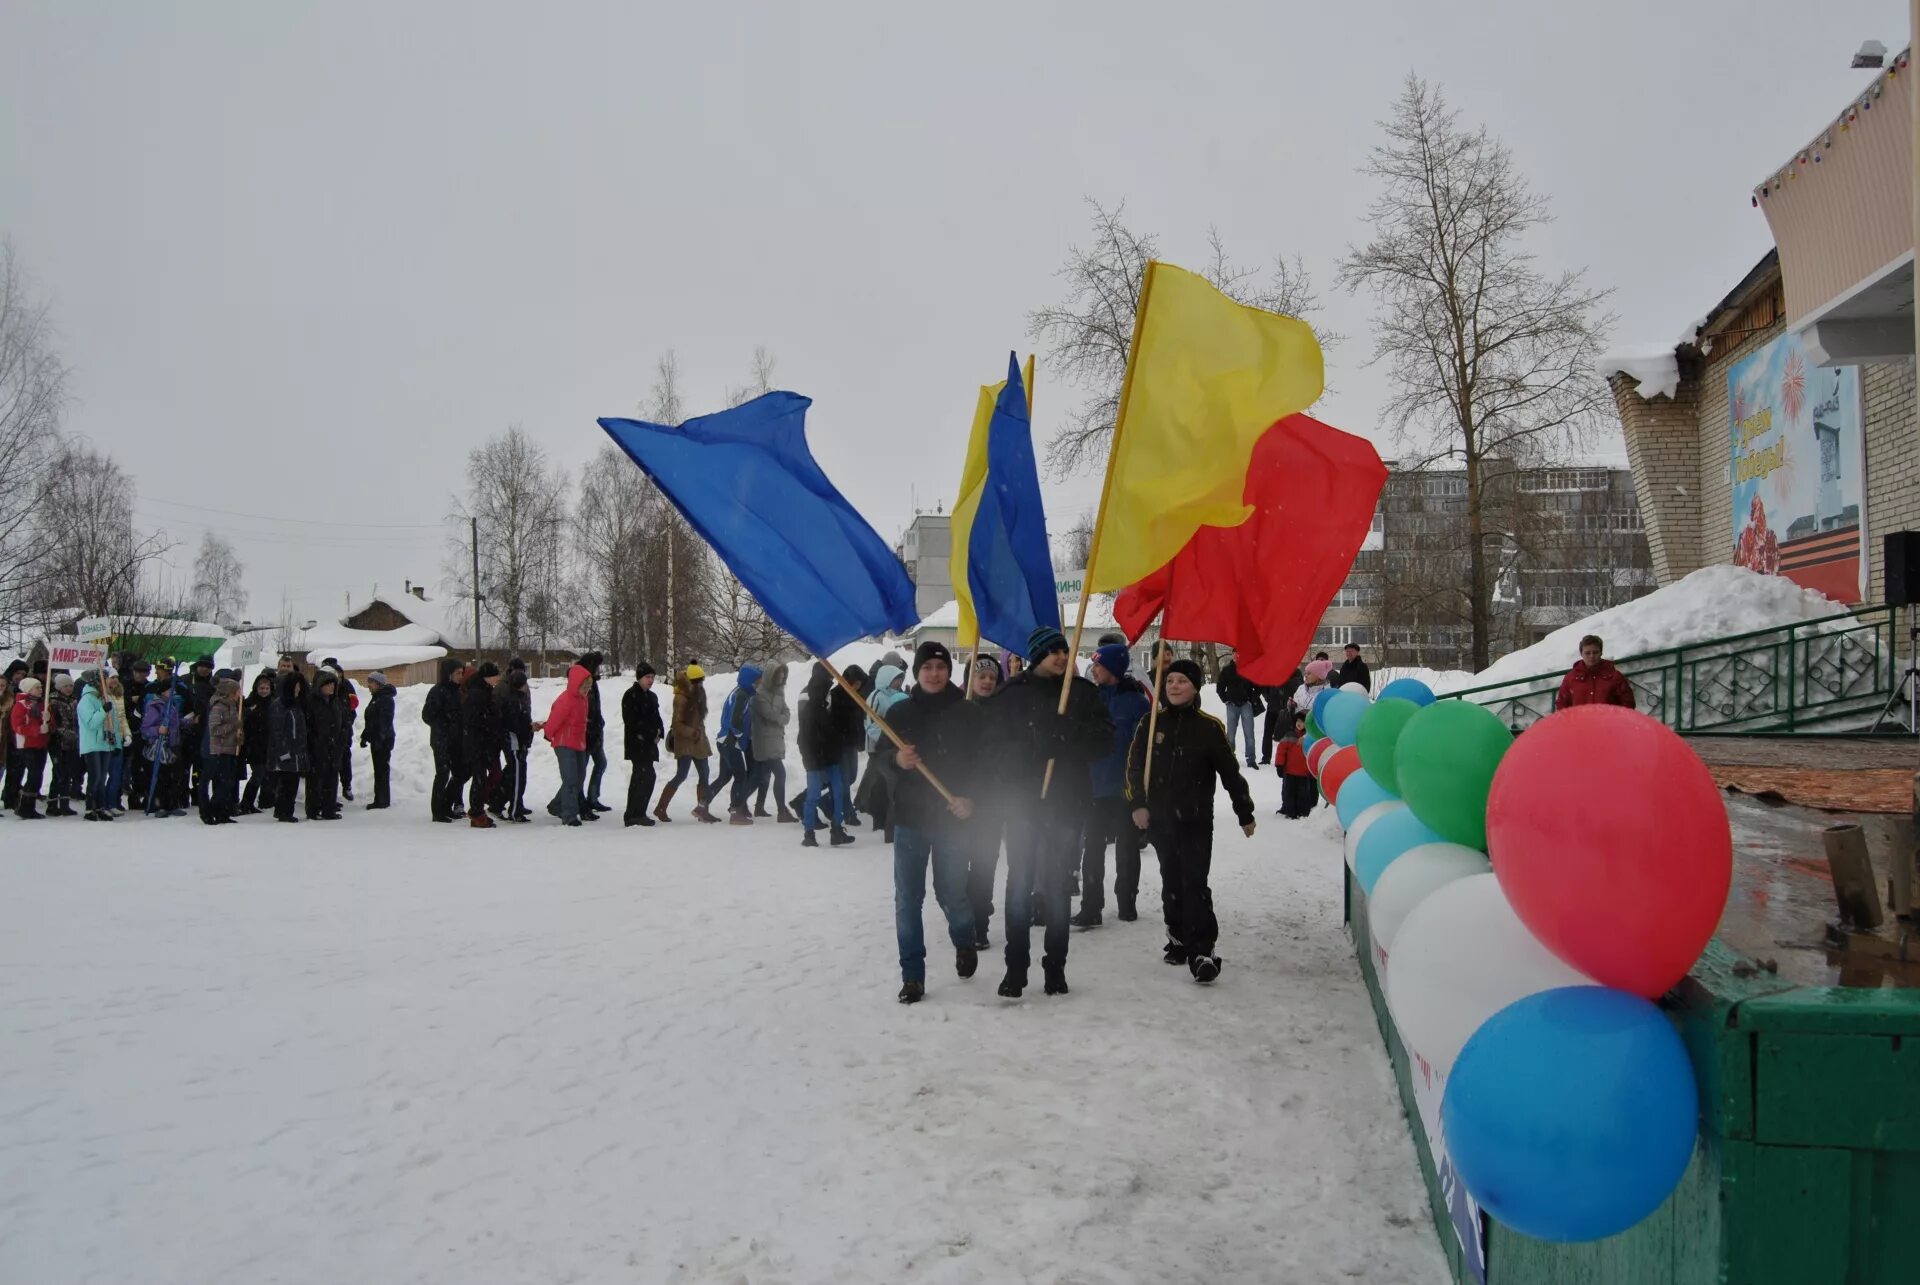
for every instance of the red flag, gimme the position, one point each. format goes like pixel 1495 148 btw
pixel 1261 587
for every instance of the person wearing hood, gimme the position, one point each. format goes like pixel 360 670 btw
pixel 1192 757
pixel 640 724
pixel 1593 680
pixel 323 747
pixel 590 803
pixel 687 741
pixel 874 796
pixel 770 718
pixel 482 737
pixel 63 746
pixel 566 729
pixel 102 736
pixel 256 744
pixel 160 729
pixel 287 735
pixel 851 722
pixel 441 713
pixel 942 731
pixel 514 696
pixel 224 731
pixel 377 736
pixel 1044 817
pixel 822 741
pixel 736 746
pixel 1127 702
pixel 28 747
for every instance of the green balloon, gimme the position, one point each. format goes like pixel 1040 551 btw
pixel 1313 728
pixel 1380 729
pixel 1444 763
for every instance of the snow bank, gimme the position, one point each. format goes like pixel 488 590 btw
pixel 1656 367
pixel 1710 603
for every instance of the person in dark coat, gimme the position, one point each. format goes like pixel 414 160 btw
pixel 851 723
pixel 133 693
pixel 196 758
pixel 1242 699
pixel 1191 753
pixel 1044 817
pixel 441 713
pixel 377 735
pixel 1279 713
pixel 1593 680
pixel 823 740
pixel 641 725
pixel 942 730
pixel 1352 670
pixel 482 737
pixel 287 719
pixel 1109 821
pixel 596 737
pixel 349 699
pixel 515 700
pixel 989 825
pixel 256 745
pixel 323 747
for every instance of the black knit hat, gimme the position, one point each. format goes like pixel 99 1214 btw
pixel 487 670
pixel 931 650
pixel 1188 668
pixel 517 663
pixel 642 670
pixel 1044 641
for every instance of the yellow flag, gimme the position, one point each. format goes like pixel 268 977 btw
pixel 973 479
pixel 1205 380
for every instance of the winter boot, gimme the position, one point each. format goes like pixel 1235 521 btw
pixel 912 992
pixel 700 812
pixel 965 961
pixel 1087 918
pixel 666 797
pixel 808 841
pixel 1013 983
pixel 786 817
pixel 739 816
pixel 480 820
pixel 60 808
pixel 1204 967
pixel 840 839
pixel 1056 975
pixel 26 811
pixel 760 809
pixel 1176 953
pixel 1127 912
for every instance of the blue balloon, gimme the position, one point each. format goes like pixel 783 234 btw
pixel 1309 741
pixel 1571 1114
pixel 1342 719
pixel 1385 840
pixel 1406 689
pixel 1358 794
pixel 1327 693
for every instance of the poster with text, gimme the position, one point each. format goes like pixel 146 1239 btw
pixel 1799 470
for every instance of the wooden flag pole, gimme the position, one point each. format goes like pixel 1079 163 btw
pixel 881 723
pixel 1153 715
pixel 1100 517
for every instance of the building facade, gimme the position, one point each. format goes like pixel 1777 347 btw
pixel 926 550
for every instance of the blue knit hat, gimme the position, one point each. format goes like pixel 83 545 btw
pixel 1113 658
pixel 1044 641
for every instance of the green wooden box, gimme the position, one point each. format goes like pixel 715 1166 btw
pixel 1808 1167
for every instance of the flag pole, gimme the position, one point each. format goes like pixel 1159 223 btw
pixel 1100 517
pixel 1153 715
pixel 881 723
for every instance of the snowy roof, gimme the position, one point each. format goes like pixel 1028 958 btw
pixel 375 655
pixel 332 639
pixel 381 600
pixel 1656 367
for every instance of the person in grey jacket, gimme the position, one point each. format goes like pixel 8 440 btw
pixel 770 717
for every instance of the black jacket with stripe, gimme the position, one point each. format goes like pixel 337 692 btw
pixel 1190 753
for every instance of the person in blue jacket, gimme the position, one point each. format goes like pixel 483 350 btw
pixel 736 747
pixel 1110 820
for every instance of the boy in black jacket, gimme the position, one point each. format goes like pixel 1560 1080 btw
pixel 376 733
pixel 441 713
pixel 640 718
pixel 1190 751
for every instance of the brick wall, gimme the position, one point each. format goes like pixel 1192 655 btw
pixel 1663 451
pixel 1893 462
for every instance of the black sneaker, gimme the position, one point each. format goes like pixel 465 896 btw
pixel 840 839
pixel 1205 968
pixel 982 942
pixel 808 841
pixel 965 962
pixel 912 993
pixel 1176 953
pixel 1087 919
pixel 1056 974
pixel 1013 983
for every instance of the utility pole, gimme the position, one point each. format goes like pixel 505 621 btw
pixel 473 533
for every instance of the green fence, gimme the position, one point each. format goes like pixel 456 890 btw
pixel 1818 674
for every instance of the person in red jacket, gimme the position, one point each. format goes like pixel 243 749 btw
pixel 1299 792
pixel 28 740
pixel 1592 680
pixel 567 732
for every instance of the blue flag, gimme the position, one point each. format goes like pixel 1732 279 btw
pixel 746 481
pixel 1009 563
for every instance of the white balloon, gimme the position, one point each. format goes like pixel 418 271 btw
pixel 1357 687
pixel 1415 875
pixel 1461 956
pixel 1365 819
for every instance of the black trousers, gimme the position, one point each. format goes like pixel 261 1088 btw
pixel 1299 795
pixel 323 786
pixel 448 780
pixel 286 789
pixel 486 778
pixel 640 789
pixel 27 786
pixel 1110 821
pixel 984 834
pixel 262 790
pixel 346 764
pixel 139 771
pixel 16 765
pixel 1185 849
pixel 382 772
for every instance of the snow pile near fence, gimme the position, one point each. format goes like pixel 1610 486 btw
pixel 1710 603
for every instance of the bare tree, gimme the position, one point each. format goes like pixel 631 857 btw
pixel 1076 543
pixel 761 382
pixel 1493 357
pixel 1089 333
pixel 94 560
pixel 218 594
pixel 738 629
pixel 518 500
pixel 610 519
pixel 33 385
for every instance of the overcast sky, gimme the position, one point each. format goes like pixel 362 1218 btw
pixel 304 257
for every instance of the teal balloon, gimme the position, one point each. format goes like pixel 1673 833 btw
pixel 1379 736
pixel 1571 1114
pixel 1444 763
pixel 1357 794
pixel 1343 714
pixel 1306 746
pixel 1385 841
pixel 1408 689
pixel 1318 714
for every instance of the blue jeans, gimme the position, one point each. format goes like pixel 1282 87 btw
pixel 911 848
pixel 700 770
pixel 99 772
pixel 116 778
pixel 573 766
pixel 1241 717
pixel 1041 855
pixel 818 780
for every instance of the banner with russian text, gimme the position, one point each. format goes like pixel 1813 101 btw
pixel 1799 470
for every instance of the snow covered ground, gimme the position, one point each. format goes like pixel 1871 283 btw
pixel 387 1050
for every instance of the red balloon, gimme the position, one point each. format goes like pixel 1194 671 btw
pixel 1317 756
pixel 1336 768
pixel 1611 840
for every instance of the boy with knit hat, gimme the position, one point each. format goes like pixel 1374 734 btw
pixel 1109 821
pixel 1026 732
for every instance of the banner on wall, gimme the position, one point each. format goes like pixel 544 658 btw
pixel 1799 470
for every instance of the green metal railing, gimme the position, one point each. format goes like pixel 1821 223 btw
pixel 1814 675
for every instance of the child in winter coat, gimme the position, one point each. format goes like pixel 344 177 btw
pixel 223 749
pixel 256 745
pixel 63 746
pixel 101 739
pixel 287 734
pixel 160 727
pixel 28 747
pixel 376 734
pixel 566 730
pixel 687 741
pixel 640 721
pixel 1299 792
pixel 770 718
